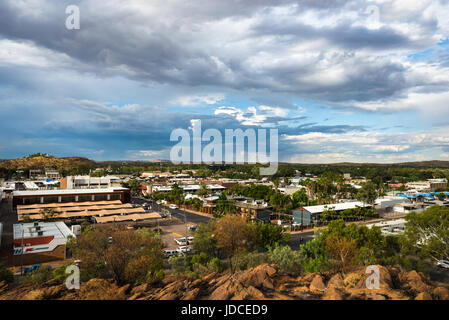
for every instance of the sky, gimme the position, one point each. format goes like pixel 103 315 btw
pixel 358 81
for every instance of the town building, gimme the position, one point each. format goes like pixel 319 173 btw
pixel 255 209
pixel 88 182
pixel 70 195
pixel 311 214
pixel 39 242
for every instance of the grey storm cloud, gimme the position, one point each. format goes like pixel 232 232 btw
pixel 167 44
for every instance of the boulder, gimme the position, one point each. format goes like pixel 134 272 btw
pixel 191 294
pixel 249 293
pixel 34 295
pixel 100 289
pixel 385 281
pixel 258 277
pixel 423 296
pixel 317 285
pixel 415 283
pixel 3 286
pixel 441 293
pixel 333 293
pixel 336 282
pixel 222 292
pixel 53 292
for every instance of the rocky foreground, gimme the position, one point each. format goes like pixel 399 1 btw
pixel 262 282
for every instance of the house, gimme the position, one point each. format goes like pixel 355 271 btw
pixel 256 209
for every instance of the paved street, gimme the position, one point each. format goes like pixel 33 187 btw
pixel 295 239
pixel 192 218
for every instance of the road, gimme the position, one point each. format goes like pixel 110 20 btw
pixel 294 242
pixel 192 218
pixel 295 239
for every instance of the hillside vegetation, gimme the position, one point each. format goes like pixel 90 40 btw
pixel 46 161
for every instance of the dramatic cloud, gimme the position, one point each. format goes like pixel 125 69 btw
pixel 327 74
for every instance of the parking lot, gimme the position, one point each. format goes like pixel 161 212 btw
pixel 169 233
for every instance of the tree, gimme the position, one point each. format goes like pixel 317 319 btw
pixel 115 252
pixel 6 274
pixel 299 198
pixel 367 193
pixel 342 251
pixel 232 235
pixel 202 191
pixel 204 241
pixel 224 205
pixel 314 255
pixel 133 185
pixel 427 233
pixel 264 235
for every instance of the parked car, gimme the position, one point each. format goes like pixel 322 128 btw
pixel 193 227
pixel 170 253
pixel 173 206
pixel 190 239
pixel 184 249
pixel 181 241
pixel 443 264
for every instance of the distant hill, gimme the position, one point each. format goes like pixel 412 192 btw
pixel 46 161
pixel 413 164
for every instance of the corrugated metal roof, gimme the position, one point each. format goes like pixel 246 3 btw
pixel 334 206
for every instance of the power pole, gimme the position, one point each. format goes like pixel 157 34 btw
pixel 21 254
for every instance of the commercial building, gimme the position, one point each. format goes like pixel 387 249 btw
pixel 88 182
pixel 42 174
pixel 429 185
pixel 74 210
pixel 311 214
pixel 70 195
pixel 187 188
pixel 40 242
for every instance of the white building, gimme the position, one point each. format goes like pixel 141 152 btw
pixel 88 182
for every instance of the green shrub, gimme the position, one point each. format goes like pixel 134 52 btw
pixel 43 274
pixel 6 274
pixel 286 258
pixel 179 264
pixel 216 265
pixel 201 258
pixel 252 259
pixel 59 272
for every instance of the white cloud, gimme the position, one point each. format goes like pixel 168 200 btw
pixel 195 100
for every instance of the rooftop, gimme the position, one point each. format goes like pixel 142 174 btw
pixel 66 191
pixel 58 230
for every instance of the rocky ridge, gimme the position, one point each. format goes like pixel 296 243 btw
pixel 260 283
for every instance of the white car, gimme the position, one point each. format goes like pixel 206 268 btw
pixel 443 264
pixel 169 253
pixel 184 249
pixel 173 206
pixel 181 241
